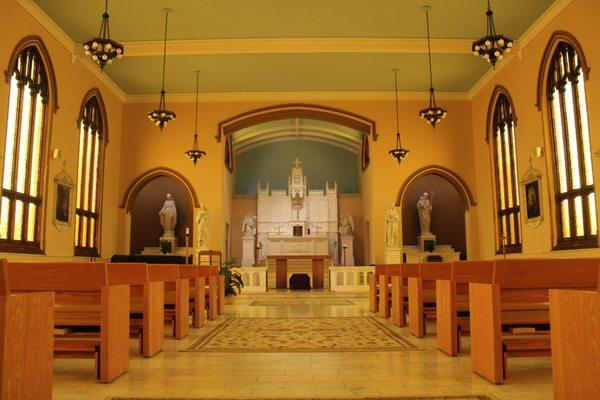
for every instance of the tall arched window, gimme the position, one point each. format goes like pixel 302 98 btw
pixel 92 137
pixel 574 195
pixel 21 207
pixel 508 209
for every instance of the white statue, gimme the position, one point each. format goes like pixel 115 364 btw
pixel 346 226
pixel 249 225
pixel 168 217
pixel 424 206
pixel 202 221
pixel 392 227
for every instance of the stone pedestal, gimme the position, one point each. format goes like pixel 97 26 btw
pixel 248 251
pixel 424 239
pixel 393 255
pixel 347 254
pixel 172 243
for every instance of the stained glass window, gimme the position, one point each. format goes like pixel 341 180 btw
pixel 92 131
pixel 574 180
pixel 21 205
pixel 507 191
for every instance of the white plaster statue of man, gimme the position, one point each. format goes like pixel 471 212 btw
pixel 346 226
pixel 392 227
pixel 203 221
pixel 168 217
pixel 425 207
pixel 249 225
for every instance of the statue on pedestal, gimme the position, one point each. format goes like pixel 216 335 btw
pixel 424 206
pixel 346 226
pixel 203 221
pixel 168 218
pixel 392 227
pixel 249 225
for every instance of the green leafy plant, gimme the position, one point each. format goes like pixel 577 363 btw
pixel 233 279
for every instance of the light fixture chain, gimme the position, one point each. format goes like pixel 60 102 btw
pixel 197 89
pixel 429 49
pixel 165 49
pixel 396 89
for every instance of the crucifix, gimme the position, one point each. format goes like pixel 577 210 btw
pixel 297 162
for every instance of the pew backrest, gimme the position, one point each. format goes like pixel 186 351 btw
pixel 133 274
pixel 410 270
pixel 57 276
pixel 4 288
pixel 163 272
pixel 434 271
pixel 547 273
pixel 472 271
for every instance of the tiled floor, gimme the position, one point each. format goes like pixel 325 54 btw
pixel 301 375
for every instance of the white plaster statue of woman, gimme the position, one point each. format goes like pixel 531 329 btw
pixel 392 227
pixel 346 225
pixel 202 221
pixel 425 207
pixel 249 225
pixel 168 217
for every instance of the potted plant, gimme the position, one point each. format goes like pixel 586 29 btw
pixel 233 280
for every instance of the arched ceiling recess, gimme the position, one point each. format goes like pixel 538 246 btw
pixel 296 121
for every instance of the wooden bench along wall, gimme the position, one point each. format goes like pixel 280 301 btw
pixel 518 297
pixel 26 342
pixel 374 287
pixel 575 338
pixel 177 296
pixel 421 293
pixel 147 301
pixel 452 302
pixel 84 301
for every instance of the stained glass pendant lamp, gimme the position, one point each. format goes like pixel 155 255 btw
pixel 398 152
pixel 195 153
pixel 493 46
pixel 102 49
pixel 161 116
pixel 432 114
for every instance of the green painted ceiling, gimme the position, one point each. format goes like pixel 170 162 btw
pixel 142 20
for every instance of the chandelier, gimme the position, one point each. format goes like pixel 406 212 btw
pixel 102 49
pixel 161 116
pixel 432 114
pixel 195 153
pixel 398 152
pixel 492 47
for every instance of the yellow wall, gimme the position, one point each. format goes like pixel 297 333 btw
pixel 73 81
pixel 520 78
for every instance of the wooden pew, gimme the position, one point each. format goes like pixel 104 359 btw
pixel 518 297
pixel 374 287
pixel 211 275
pixel 575 338
pixel 384 293
pixel 177 295
pixel 93 314
pixel 209 258
pixel 203 292
pixel 452 302
pixel 421 293
pixel 398 294
pixel 26 342
pixel 147 314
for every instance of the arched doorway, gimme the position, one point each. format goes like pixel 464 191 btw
pixel 143 200
pixel 451 201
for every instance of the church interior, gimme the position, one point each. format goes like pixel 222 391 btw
pixel 339 199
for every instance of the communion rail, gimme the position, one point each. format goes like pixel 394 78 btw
pixel 349 279
pixel 254 278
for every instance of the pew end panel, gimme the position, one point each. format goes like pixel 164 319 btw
pixel 154 318
pixel 446 317
pixel 182 308
pixel 398 289
pixel 114 332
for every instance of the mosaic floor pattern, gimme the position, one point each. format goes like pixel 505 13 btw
pixel 323 334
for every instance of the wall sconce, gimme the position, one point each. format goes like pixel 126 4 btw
pixel 538 152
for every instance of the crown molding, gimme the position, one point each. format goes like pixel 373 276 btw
pixel 296 96
pixel 73 48
pixel 534 30
pixel 297 45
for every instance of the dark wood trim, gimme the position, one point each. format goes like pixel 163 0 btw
pixel 38 42
pixel 456 180
pixel 95 92
pixel 498 91
pixel 556 38
pixel 138 183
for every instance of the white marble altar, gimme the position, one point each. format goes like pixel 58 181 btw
pixel 312 213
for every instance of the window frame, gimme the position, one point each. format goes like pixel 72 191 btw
pixel 49 101
pixel 501 97
pixel 99 121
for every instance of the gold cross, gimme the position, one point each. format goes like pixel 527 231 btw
pixel 297 162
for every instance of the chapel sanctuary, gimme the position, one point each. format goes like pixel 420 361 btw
pixel 294 200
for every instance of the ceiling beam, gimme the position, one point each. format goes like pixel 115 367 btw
pixel 296 45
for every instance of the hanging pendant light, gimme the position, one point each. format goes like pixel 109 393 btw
pixel 398 152
pixel 195 153
pixel 102 49
pixel 161 116
pixel 492 47
pixel 432 114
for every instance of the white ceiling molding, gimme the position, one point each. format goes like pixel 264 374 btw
pixel 309 138
pixel 297 45
pixel 534 30
pixel 73 48
pixel 296 96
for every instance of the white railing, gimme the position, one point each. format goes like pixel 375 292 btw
pixel 349 279
pixel 254 278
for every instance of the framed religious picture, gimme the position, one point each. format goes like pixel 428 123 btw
pixel 63 200
pixel 531 201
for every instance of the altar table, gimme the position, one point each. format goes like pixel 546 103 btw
pixel 281 269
